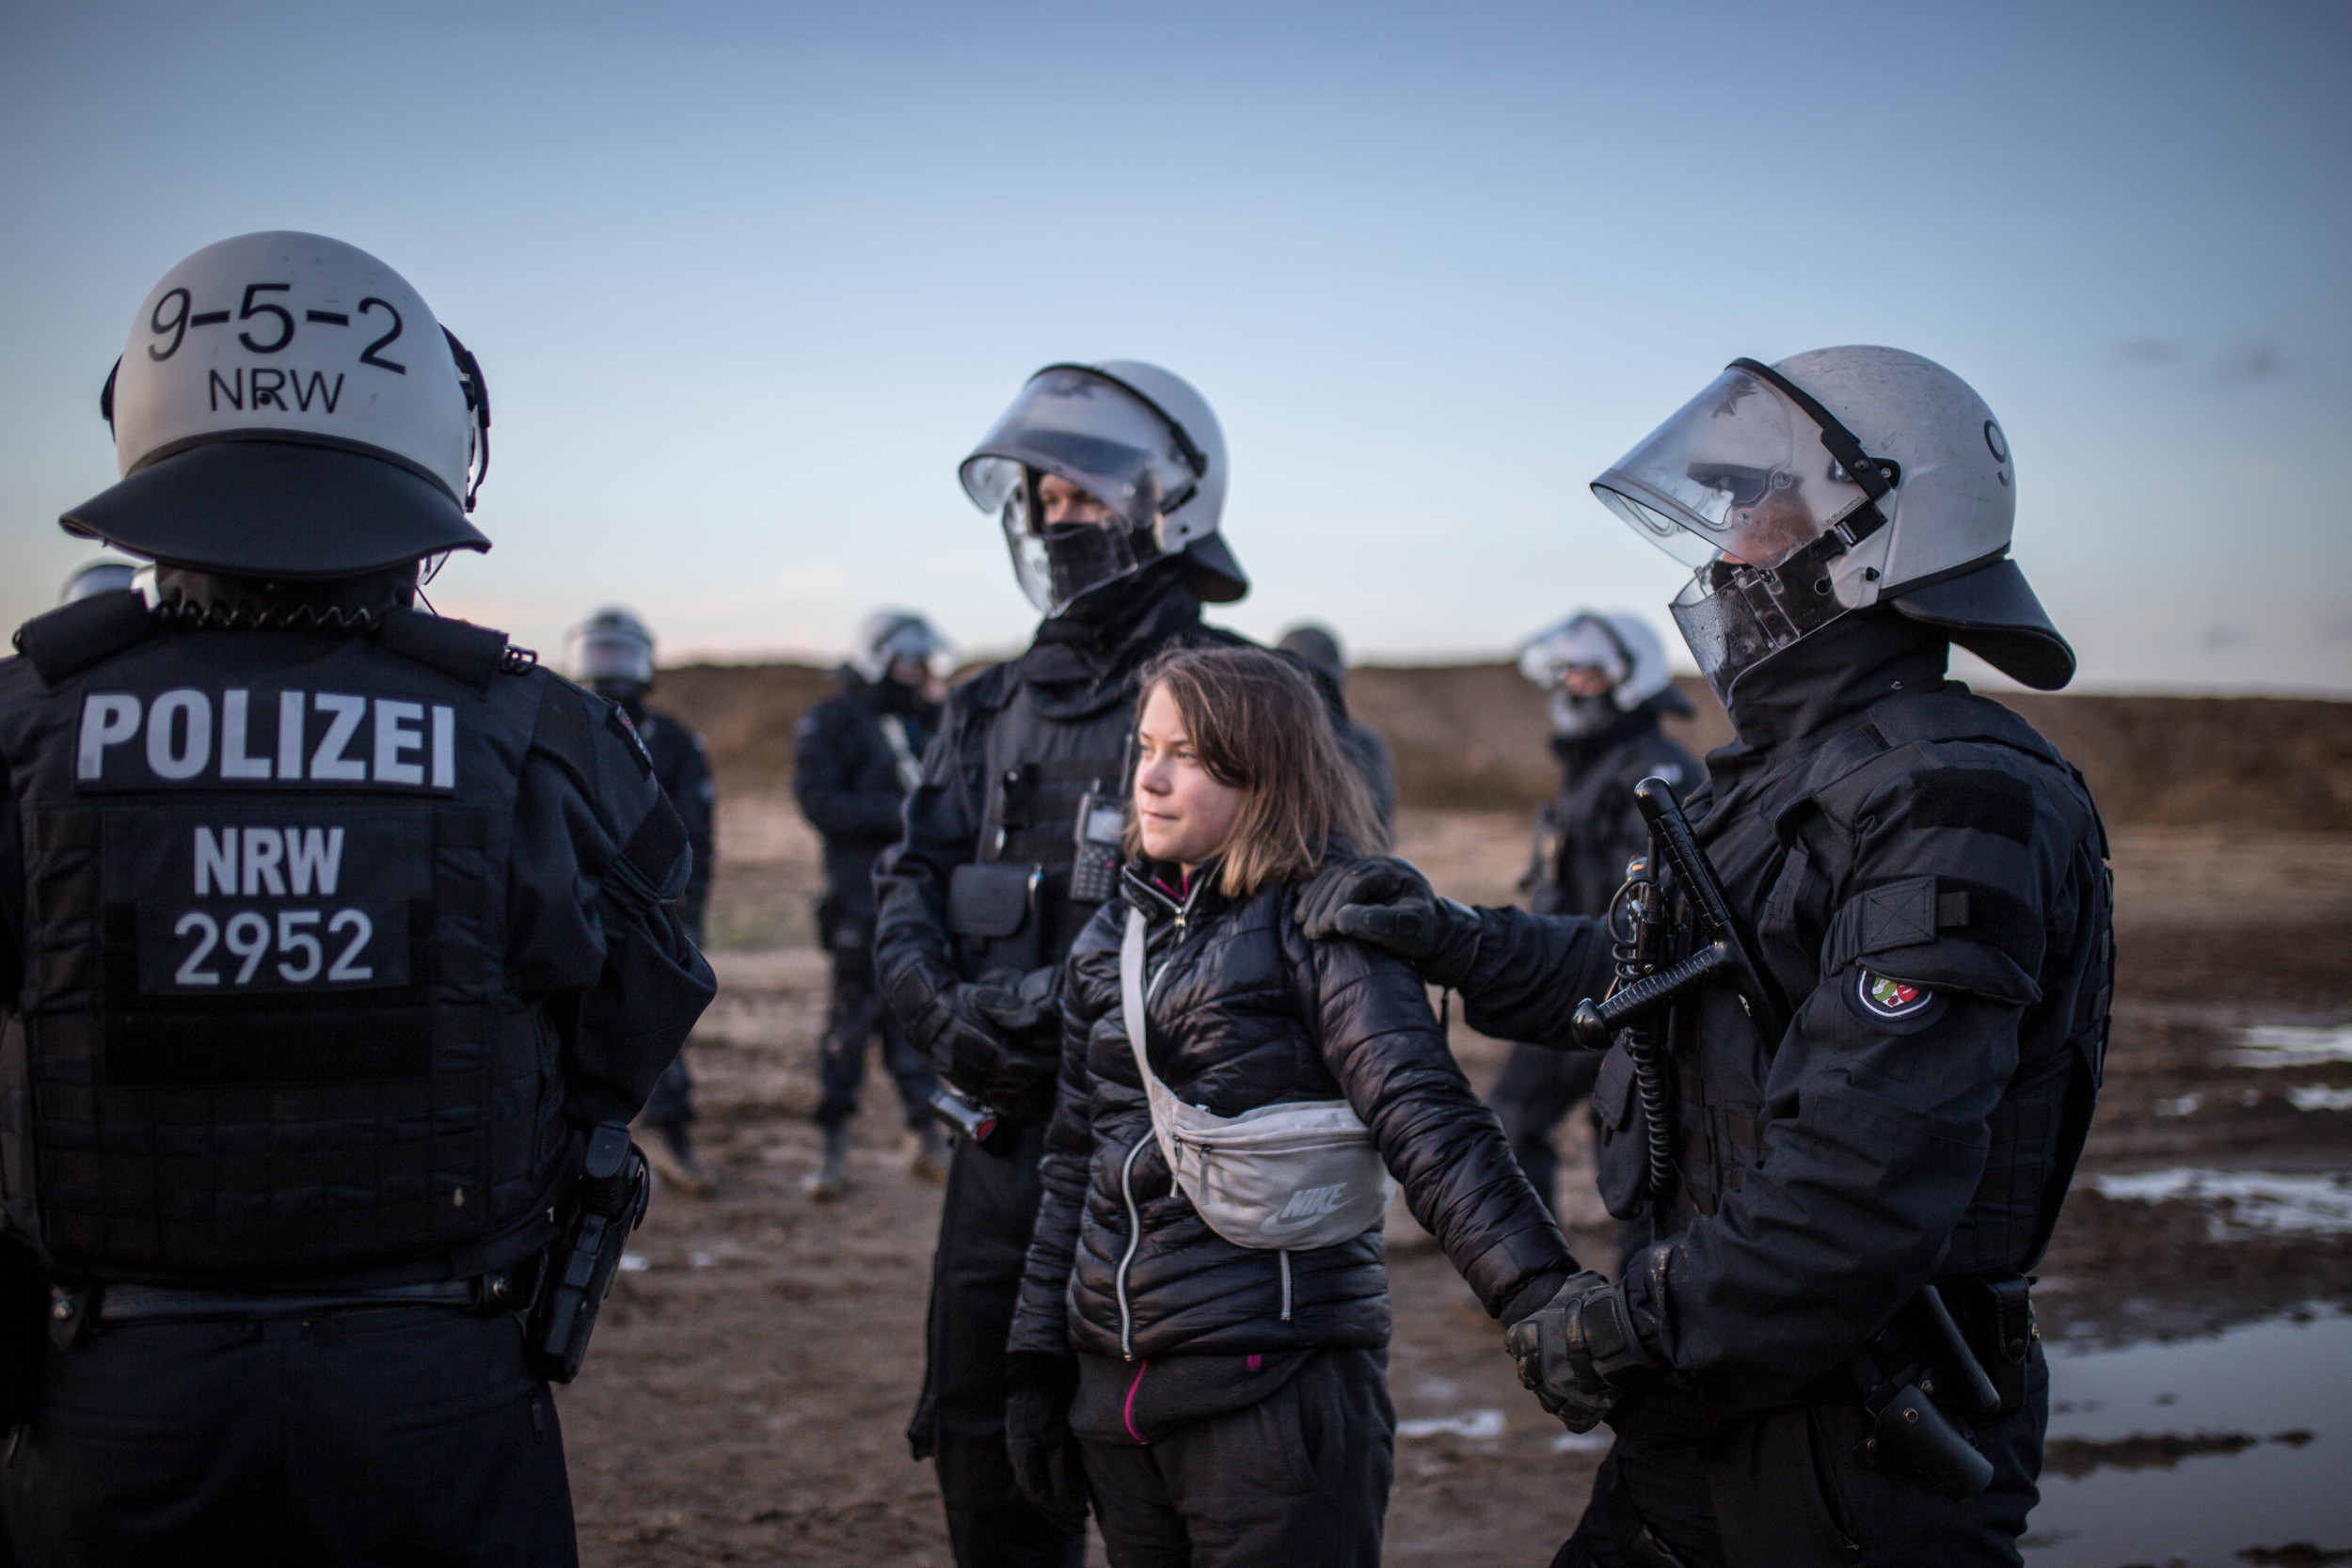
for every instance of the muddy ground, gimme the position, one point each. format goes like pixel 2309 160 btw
pixel 746 1396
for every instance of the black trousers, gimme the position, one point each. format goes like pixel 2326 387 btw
pixel 1299 1480
pixel 390 1435
pixel 855 1017
pixel 1785 1489
pixel 985 1219
pixel 1533 1093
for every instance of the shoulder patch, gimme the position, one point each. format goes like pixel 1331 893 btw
pixel 1894 1006
pixel 1985 798
pixel 616 719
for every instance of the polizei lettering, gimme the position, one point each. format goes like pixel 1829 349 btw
pixel 204 740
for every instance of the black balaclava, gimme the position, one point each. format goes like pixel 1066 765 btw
pixel 1835 673
pixel 629 693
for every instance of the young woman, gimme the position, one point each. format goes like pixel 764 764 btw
pixel 1230 1403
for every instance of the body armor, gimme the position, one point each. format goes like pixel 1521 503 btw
pixel 1016 906
pixel 1784 845
pixel 267 1027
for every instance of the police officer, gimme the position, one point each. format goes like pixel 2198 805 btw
pixel 1367 748
pixel 1608 686
pixel 327 929
pixel 1109 481
pixel 1924 877
pixel 611 655
pixel 856 757
pixel 99 576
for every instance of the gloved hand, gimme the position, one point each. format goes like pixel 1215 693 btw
pixel 1388 903
pixel 982 1035
pixel 1578 1353
pixel 1046 1464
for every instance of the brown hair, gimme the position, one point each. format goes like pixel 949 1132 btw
pixel 1258 725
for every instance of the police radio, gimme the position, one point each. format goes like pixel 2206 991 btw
pixel 1099 832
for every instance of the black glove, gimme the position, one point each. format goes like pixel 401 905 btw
pixel 1388 903
pixel 1046 1464
pixel 1578 1353
pixel 984 1036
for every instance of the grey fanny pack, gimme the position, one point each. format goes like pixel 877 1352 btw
pixel 1287 1178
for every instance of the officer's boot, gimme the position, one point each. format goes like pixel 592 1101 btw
pixel 831 1179
pixel 928 1159
pixel 671 1153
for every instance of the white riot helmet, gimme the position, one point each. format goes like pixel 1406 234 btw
pixel 1139 440
pixel 1619 645
pixel 288 406
pixel 99 576
pixel 611 645
pixel 1833 481
pixel 888 636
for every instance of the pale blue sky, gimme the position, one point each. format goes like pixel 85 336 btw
pixel 747 282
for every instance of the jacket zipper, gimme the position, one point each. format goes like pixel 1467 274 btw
pixel 1127 1167
pixel 1134 1240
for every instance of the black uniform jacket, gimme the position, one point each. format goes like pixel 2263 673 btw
pixel 846 776
pixel 1928 880
pixel 1587 833
pixel 681 766
pixel 1070 696
pixel 1247 1012
pixel 583 863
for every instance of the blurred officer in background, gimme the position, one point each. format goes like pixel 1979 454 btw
pixel 855 758
pixel 1827 1354
pixel 1109 481
pixel 328 931
pixel 1609 686
pixel 100 576
pixel 1364 746
pixel 611 655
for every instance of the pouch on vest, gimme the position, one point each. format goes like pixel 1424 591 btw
pixel 1288 1178
pixel 991 909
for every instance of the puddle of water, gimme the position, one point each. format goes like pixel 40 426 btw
pixel 2245 1199
pixel 2198 1450
pixel 2292 1045
pixel 2319 1097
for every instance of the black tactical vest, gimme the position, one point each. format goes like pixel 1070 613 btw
pixel 266 1029
pixel 1784 857
pixel 1014 907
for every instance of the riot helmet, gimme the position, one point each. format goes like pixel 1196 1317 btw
pixel 287 406
pixel 887 636
pixel 1625 661
pixel 1140 463
pixel 98 577
pixel 1831 482
pixel 611 655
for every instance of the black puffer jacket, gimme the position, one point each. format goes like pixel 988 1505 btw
pixel 1245 1012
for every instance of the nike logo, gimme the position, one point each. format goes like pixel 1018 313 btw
pixel 1307 1206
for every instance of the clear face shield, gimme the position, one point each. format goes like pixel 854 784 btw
pixel 602 655
pixel 1754 485
pixel 1130 465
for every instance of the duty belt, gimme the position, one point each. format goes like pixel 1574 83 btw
pixel 138 1304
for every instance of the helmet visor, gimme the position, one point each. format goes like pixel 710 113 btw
pixel 1739 472
pixel 599 654
pixel 1093 432
pixel 1580 642
pixel 1059 562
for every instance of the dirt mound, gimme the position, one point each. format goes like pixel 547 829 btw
pixel 1472 735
